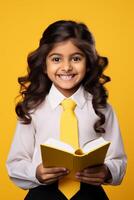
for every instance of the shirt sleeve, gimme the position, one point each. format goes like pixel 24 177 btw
pixel 20 166
pixel 116 159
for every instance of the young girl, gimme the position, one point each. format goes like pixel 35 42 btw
pixel 65 65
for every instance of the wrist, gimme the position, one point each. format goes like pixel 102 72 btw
pixel 108 177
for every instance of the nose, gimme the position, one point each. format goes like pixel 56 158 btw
pixel 67 66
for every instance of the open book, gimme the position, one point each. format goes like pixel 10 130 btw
pixel 59 154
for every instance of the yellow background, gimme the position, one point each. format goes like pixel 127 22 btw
pixel 21 25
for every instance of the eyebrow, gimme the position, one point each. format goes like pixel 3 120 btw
pixel 58 54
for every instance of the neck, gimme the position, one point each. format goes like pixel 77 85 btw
pixel 67 93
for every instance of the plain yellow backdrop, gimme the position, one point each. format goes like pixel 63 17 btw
pixel 21 25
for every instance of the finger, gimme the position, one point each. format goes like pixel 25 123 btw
pixel 85 174
pixel 92 181
pixel 91 175
pixel 46 177
pixel 94 169
pixel 51 180
pixel 53 170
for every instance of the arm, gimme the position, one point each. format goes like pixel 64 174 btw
pixel 116 159
pixel 23 161
pixel 20 168
pixel 114 167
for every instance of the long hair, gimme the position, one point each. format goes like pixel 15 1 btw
pixel 36 85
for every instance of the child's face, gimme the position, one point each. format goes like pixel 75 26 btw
pixel 66 67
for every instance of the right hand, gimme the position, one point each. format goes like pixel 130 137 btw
pixel 50 174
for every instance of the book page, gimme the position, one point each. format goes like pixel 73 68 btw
pixel 94 144
pixel 59 145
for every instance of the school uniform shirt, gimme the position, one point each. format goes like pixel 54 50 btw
pixel 25 155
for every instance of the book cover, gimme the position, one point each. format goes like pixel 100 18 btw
pixel 59 154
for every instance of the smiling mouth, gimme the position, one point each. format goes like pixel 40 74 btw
pixel 66 77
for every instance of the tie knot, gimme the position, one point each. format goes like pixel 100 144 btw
pixel 68 104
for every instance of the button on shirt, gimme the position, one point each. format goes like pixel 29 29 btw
pixel 25 155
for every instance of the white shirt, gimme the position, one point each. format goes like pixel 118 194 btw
pixel 25 156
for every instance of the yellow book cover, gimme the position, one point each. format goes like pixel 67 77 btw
pixel 59 154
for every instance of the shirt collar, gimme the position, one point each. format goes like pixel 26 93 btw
pixel 55 97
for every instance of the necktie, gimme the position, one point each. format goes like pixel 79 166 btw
pixel 69 134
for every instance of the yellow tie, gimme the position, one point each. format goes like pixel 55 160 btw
pixel 69 134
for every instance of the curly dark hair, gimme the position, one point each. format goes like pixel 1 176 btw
pixel 36 85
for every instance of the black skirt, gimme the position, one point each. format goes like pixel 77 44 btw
pixel 51 192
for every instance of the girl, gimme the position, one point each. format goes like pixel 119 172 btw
pixel 65 65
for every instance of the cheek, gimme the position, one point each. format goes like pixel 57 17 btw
pixel 83 68
pixel 51 71
pixel 48 71
pixel 83 73
pixel 48 67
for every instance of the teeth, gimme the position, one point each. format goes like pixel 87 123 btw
pixel 66 77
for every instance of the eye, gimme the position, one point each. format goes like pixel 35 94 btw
pixel 76 58
pixel 56 59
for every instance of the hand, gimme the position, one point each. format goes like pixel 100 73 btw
pixel 50 174
pixel 94 175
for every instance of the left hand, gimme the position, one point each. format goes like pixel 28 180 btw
pixel 96 175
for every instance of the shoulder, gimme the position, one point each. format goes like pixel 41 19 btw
pixel 87 95
pixel 40 109
pixel 110 114
pixel 107 110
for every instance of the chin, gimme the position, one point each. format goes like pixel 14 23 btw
pixel 69 87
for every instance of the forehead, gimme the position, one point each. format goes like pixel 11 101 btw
pixel 65 48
